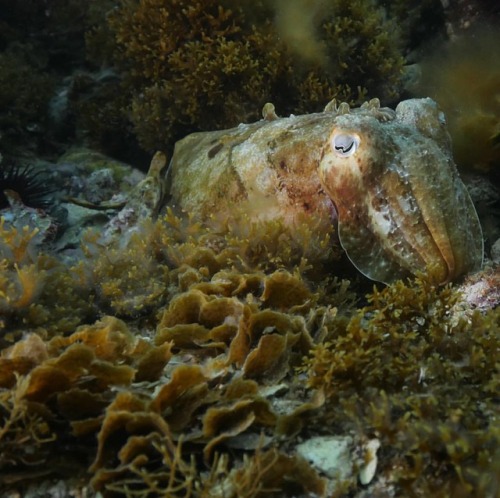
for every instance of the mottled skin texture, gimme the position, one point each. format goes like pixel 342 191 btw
pixel 387 175
pixel 265 169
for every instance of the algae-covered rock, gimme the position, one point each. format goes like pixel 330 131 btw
pixel 332 455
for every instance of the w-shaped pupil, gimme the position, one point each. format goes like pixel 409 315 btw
pixel 345 145
pixel 345 149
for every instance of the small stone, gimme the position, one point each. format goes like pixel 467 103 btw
pixel 367 472
pixel 329 454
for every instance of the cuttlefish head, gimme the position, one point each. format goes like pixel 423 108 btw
pixel 402 207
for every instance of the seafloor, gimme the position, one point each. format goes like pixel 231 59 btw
pixel 147 353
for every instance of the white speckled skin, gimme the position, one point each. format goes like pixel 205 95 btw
pixel 401 205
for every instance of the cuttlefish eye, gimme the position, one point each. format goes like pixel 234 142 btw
pixel 345 144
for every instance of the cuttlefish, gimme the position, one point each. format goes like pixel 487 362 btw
pixel 385 177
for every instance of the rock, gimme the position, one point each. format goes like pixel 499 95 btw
pixel 367 472
pixel 329 454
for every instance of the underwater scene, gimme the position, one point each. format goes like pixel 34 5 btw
pixel 249 249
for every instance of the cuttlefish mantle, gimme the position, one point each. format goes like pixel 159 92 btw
pixel 387 176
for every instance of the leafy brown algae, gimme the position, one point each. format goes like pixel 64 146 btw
pixel 387 177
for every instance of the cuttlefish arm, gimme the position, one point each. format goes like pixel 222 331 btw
pixel 401 209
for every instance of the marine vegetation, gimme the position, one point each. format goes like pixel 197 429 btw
pixel 41 43
pixel 25 90
pixel 37 292
pixel 211 65
pixel 197 361
pixel 471 67
pixel 419 376
pixel 169 356
pixel 110 73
